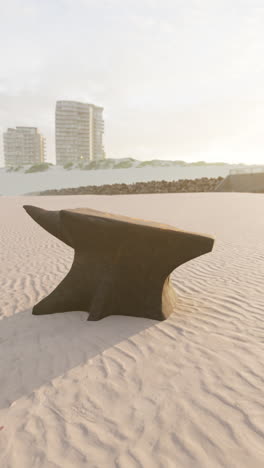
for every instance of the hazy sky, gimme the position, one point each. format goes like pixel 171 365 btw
pixel 179 79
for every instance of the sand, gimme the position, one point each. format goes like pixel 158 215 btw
pixel 126 392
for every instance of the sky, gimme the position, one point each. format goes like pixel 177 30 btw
pixel 178 79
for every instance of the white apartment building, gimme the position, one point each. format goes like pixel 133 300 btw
pixel 23 145
pixel 79 132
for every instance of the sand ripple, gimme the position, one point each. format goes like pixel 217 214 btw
pixel 126 393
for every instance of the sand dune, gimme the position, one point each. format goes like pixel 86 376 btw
pixel 127 392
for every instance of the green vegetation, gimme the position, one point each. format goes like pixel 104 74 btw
pixel 68 165
pixel 161 163
pixel 124 164
pixel 199 163
pixel 179 163
pixel 153 162
pixel 92 165
pixel 204 163
pixel 38 167
pixel 14 168
pixel 221 164
pixel 107 164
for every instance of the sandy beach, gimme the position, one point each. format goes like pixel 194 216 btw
pixel 128 392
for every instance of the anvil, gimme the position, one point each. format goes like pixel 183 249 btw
pixel 121 265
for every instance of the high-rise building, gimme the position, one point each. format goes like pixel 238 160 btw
pixel 23 145
pixel 79 132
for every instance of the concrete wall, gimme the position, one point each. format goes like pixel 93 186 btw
pixel 242 183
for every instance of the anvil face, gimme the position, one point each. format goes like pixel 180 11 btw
pixel 121 265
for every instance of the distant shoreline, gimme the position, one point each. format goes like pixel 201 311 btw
pixel 203 184
pixel 57 178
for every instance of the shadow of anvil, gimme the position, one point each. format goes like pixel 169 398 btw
pixel 121 265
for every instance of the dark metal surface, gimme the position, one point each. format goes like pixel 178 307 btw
pixel 120 264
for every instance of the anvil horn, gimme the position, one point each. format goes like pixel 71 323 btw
pixel 49 220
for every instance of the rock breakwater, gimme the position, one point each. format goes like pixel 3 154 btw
pixel 203 184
